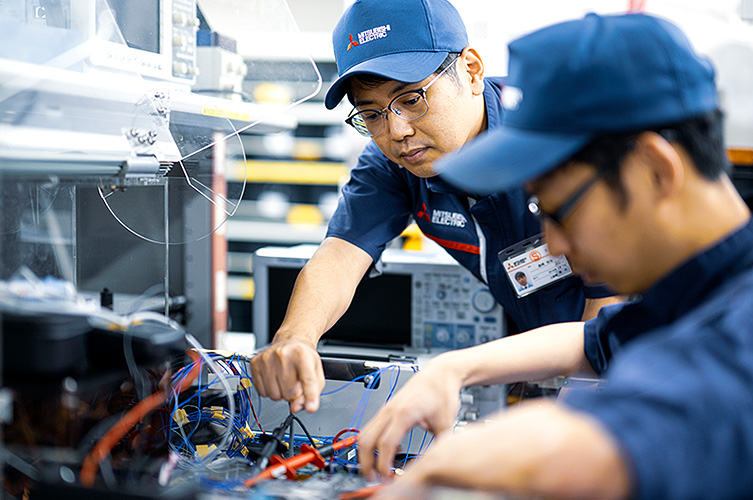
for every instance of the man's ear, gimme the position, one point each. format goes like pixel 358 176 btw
pixel 475 68
pixel 666 168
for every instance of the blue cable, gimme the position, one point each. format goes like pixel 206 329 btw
pixel 364 401
pixel 389 396
pixel 343 387
pixel 407 451
pixel 420 452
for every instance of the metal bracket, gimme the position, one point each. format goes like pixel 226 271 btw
pixel 142 166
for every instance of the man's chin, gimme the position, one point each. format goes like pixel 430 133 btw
pixel 592 279
pixel 423 173
pixel 589 278
pixel 423 169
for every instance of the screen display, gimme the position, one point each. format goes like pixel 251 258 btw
pixel 139 22
pixel 379 316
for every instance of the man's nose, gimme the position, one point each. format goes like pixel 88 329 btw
pixel 397 127
pixel 555 238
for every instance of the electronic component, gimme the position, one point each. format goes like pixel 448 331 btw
pixel 433 303
pixel 51 332
pixel 151 38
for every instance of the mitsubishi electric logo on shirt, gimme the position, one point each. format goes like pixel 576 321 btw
pixel 443 217
pixel 368 35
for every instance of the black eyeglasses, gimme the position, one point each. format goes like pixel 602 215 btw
pixel 409 106
pixel 559 215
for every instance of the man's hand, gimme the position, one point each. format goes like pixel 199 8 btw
pixel 535 449
pixel 430 399
pixel 289 369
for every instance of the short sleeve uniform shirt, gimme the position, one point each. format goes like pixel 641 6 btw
pixel 679 368
pixel 381 198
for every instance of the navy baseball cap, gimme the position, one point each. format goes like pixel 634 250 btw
pixel 571 82
pixel 402 40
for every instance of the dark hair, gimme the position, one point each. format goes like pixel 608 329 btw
pixel 520 274
pixel 370 81
pixel 701 136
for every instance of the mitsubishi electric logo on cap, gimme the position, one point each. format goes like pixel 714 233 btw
pixel 352 43
pixel 443 217
pixel 368 35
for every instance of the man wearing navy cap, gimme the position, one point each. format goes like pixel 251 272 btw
pixel 418 91
pixel 614 129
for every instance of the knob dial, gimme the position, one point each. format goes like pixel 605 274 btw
pixel 443 335
pixel 462 337
pixel 483 301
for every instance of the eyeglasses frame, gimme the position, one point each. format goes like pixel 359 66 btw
pixel 559 215
pixel 383 113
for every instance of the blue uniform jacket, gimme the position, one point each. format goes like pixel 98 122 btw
pixel 381 198
pixel 679 364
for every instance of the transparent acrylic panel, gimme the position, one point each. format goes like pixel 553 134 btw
pixel 117 125
pixel 38 229
pixel 104 89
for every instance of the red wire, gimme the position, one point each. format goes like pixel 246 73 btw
pixel 105 445
pixel 337 436
pixel 295 462
pixel 251 404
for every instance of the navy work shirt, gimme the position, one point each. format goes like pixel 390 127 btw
pixel 679 363
pixel 381 198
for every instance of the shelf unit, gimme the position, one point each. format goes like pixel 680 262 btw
pixel 293 180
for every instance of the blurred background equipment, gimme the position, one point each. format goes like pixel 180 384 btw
pixel 416 303
pixel 155 158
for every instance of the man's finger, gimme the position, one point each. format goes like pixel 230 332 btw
pixel 366 451
pixel 389 440
pixel 257 377
pixel 290 389
pixel 297 404
pixel 311 375
pixel 370 442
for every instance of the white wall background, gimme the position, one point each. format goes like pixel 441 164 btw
pixel 716 28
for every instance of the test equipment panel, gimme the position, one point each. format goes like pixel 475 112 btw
pixel 418 301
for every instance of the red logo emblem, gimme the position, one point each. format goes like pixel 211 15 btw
pixel 535 255
pixel 422 213
pixel 352 43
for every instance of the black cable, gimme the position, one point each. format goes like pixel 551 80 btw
pixel 303 427
pixel 275 438
pixel 270 446
pixel 291 439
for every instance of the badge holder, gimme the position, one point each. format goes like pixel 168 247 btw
pixel 530 266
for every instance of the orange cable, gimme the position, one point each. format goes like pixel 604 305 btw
pixel 362 493
pixel 105 445
pixel 349 429
pixel 290 465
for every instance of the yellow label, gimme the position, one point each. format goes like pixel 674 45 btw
pixel 225 113
pixel 180 417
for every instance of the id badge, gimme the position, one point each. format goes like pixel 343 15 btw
pixel 530 266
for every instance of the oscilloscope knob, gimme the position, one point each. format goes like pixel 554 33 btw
pixel 443 335
pixel 463 337
pixel 483 301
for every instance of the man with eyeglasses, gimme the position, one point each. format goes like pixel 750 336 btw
pixel 618 139
pixel 419 92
